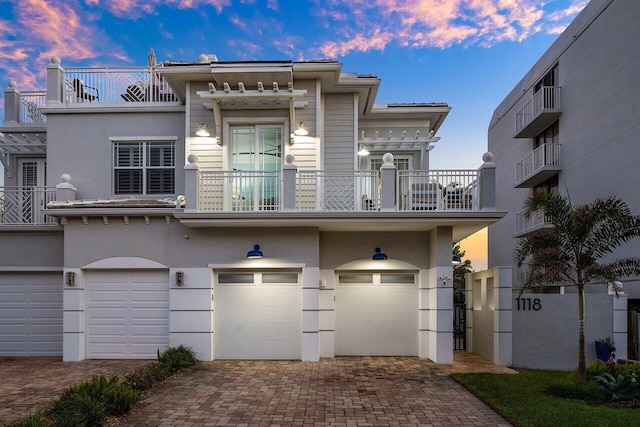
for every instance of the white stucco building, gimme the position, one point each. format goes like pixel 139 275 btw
pixel 231 207
pixel 571 124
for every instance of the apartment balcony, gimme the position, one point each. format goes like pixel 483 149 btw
pixel 539 112
pixel 528 223
pixel 539 165
pixel 22 206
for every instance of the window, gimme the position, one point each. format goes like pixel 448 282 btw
pixel 144 167
pixel 548 136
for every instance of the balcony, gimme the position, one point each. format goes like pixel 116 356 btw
pixel 539 112
pixel 539 165
pixel 22 206
pixel 116 85
pixel 528 223
pixel 335 191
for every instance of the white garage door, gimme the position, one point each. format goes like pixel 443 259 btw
pixel 127 314
pixel 376 315
pixel 258 316
pixel 30 314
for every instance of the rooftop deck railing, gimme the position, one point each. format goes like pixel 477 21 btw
pixel 108 85
pixel 23 205
pixel 31 104
pixel 239 191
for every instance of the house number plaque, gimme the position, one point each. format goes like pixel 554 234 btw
pixel 528 304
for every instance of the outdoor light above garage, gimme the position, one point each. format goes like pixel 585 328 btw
pixel 255 253
pixel 379 255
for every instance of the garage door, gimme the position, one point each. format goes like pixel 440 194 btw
pixel 127 314
pixel 30 314
pixel 376 314
pixel 258 316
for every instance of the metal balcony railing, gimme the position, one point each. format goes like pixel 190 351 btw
pixel 109 85
pixel 23 205
pixel 31 104
pixel 337 190
pixel 239 191
pixel 545 99
pixel 545 156
pixel 437 190
pixel 527 223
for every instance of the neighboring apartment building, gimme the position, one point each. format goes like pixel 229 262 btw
pixel 572 124
pixel 249 210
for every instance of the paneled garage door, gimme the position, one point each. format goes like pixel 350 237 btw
pixel 376 314
pixel 31 314
pixel 258 316
pixel 127 314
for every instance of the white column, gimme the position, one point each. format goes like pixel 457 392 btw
pixel 191 315
pixel 55 82
pixel 310 314
pixel 11 104
pixel 65 191
pixel 487 180
pixel 289 172
pixel 387 183
pixel 502 316
pixel 191 177
pixel 327 313
pixel 620 324
pixel 73 317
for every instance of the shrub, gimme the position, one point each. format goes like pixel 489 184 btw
pixel 91 401
pixel 177 358
pixel 618 387
pixel 629 370
pixel 597 368
pixel 146 377
pixel 33 420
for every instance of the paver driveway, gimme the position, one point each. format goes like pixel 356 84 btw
pixel 362 391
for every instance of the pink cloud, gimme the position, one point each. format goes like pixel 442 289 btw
pixel 432 23
pixel 135 8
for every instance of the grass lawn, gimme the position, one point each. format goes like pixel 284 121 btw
pixel 525 401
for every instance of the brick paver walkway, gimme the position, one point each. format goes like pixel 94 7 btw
pixel 28 383
pixel 353 391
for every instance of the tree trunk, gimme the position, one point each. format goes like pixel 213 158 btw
pixel 582 363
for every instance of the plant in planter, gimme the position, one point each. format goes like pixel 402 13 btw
pixel 604 348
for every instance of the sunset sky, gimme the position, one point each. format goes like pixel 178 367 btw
pixel 468 53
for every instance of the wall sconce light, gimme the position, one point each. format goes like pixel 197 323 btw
pixel 444 280
pixel 456 260
pixel 179 278
pixel 301 131
pixel 377 256
pixel 255 253
pixel 363 150
pixel 70 278
pixel 292 138
pixel 203 130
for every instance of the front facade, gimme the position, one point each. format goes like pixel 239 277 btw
pixel 571 125
pixel 231 207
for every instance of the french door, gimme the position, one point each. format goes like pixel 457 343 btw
pixel 256 160
pixel 31 183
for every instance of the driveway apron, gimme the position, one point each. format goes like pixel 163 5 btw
pixel 344 391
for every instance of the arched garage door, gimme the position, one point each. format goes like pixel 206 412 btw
pixel 127 314
pixel 258 315
pixel 376 314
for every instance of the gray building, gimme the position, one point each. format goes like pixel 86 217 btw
pixel 250 210
pixel 572 125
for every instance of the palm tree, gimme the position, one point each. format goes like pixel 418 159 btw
pixel 571 252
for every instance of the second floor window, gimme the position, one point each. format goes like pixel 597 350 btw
pixel 144 167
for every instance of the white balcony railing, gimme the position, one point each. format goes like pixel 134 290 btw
pixel 546 155
pixel 545 99
pixel 239 191
pixel 527 223
pixel 437 190
pixel 23 205
pixel 130 84
pixel 31 104
pixel 337 190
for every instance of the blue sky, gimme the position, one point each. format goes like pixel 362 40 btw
pixel 468 53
